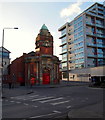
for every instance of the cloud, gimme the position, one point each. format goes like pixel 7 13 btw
pixel 71 10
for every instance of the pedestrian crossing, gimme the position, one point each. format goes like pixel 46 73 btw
pixel 44 101
pixel 51 100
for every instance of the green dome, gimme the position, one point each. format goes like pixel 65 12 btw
pixel 44 27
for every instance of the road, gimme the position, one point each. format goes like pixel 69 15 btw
pixel 50 103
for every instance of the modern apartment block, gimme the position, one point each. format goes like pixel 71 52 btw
pixel 83 43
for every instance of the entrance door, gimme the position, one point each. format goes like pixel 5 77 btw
pixel 46 78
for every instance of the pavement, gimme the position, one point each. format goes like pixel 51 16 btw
pixel 89 111
pixel 21 90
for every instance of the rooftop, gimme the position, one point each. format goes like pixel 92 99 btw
pixel 44 27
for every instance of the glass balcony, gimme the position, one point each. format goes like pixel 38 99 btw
pixel 99 25
pixel 96 45
pixel 100 7
pixel 90 13
pixel 90 44
pixel 93 14
pixel 100 45
pixel 102 56
pixel 100 12
pixel 89 23
pixel 92 55
pixel 100 35
pixel 90 34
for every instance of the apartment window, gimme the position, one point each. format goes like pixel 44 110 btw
pixel 5 54
pixel 78 20
pixel 100 31
pixel 100 51
pixel 65 75
pixel 99 21
pixel 63 32
pixel 78 45
pixel 79 50
pixel 79 55
pixel 92 19
pixel 64 50
pixel 79 66
pixel 92 61
pixel 64 55
pixel 64 59
pixel 101 62
pixel 64 47
pixel 63 40
pixel 80 33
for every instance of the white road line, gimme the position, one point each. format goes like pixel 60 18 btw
pixel 30 98
pixel 59 102
pixel 25 104
pixel 11 97
pixel 55 112
pixel 12 101
pixel 51 100
pixel 20 98
pixel 34 96
pixel 18 102
pixel 42 98
pixel 68 107
pixel 35 106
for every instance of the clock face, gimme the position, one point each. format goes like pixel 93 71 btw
pixel 46 44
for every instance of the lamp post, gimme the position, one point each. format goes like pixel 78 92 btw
pixel 2 47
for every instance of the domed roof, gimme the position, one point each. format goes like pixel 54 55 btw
pixel 44 27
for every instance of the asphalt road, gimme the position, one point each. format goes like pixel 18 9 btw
pixel 50 103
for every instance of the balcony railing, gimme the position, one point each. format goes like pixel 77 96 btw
pixel 99 25
pixel 93 24
pixel 95 45
pixel 90 44
pixel 93 14
pixel 92 55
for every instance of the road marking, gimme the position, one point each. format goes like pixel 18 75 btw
pixel 20 98
pixel 42 98
pixel 12 101
pixel 34 96
pixel 59 102
pixel 55 112
pixel 30 98
pixel 51 100
pixel 11 97
pixel 68 107
pixel 18 102
pixel 35 106
pixel 25 104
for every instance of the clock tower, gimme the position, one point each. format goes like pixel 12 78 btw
pixel 44 42
pixel 39 67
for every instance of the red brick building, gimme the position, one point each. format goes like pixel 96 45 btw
pixel 40 67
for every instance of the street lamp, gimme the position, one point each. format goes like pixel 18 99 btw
pixel 2 47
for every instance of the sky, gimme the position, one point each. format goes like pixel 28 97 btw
pixel 29 18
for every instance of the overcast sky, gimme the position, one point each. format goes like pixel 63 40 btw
pixel 29 18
